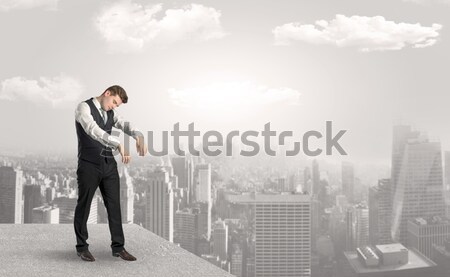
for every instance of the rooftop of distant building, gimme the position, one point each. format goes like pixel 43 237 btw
pixel 248 198
pixel 434 220
pixel 415 260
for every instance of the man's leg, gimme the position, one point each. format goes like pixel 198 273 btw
pixel 110 189
pixel 88 178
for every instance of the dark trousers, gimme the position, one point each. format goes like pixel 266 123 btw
pixel 89 177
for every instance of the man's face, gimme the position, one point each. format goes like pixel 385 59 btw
pixel 110 101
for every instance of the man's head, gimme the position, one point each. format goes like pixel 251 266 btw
pixel 113 97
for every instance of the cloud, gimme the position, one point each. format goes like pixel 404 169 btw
pixel 128 26
pixel 364 33
pixel 8 5
pixel 233 96
pixel 55 91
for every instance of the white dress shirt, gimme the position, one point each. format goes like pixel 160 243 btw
pixel 84 117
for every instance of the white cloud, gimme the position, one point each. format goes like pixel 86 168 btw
pixel 55 91
pixel 233 96
pixel 362 32
pixel 7 5
pixel 128 26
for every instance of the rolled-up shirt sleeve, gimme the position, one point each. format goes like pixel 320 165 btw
pixel 84 117
pixel 126 126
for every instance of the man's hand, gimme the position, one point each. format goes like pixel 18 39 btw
pixel 141 148
pixel 126 158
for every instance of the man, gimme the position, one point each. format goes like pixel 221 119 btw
pixel 94 119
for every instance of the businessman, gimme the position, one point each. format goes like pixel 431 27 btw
pixel 97 167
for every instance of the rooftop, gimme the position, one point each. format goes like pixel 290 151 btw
pixel 268 198
pixel 415 261
pixel 434 220
pixel 391 248
pixel 49 250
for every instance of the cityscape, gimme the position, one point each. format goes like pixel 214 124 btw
pixel 281 138
pixel 254 219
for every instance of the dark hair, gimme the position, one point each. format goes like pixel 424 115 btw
pixel 118 90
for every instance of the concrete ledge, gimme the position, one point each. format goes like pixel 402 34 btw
pixel 48 250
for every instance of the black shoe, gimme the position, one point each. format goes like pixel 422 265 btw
pixel 85 255
pixel 124 255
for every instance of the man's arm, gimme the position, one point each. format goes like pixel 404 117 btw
pixel 84 117
pixel 129 129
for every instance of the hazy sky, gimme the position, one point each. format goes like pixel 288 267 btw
pixel 227 65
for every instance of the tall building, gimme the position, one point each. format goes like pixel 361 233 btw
pixel 250 268
pixel 11 181
pixel 361 225
pixel 350 229
pixel 315 219
pixel 441 256
pixel 220 240
pixel 315 177
pixel 357 223
pixel 45 215
pixel 50 194
pixel 32 198
pixel 203 183
pixel 203 219
pixel 424 233
pixel 159 204
pixel 417 180
pixel 282 235
pixel 236 261
pixel 183 168
pixel 126 197
pixel 401 135
pixel 380 212
pixel 447 183
pixel 348 181
pixel 293 181
pixel 307 183
pixel 185 229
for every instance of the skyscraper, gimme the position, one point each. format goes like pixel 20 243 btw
pixel 11 181
pixel 283 235
pixel 32 198
pixel 185 229
pixel 348 181
pixel 361 225
pixel 220 240
pixel 180 168
pixel 183 168
pixel 315 177
pixel 423 233
pixel 236 261
pixel 357 223
pixel 307 183
pixel 203 219
pixel 159 204
pixel 203 183
pixel 380 212
pixel 417 180
pixel 447 170
pixel 126 197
